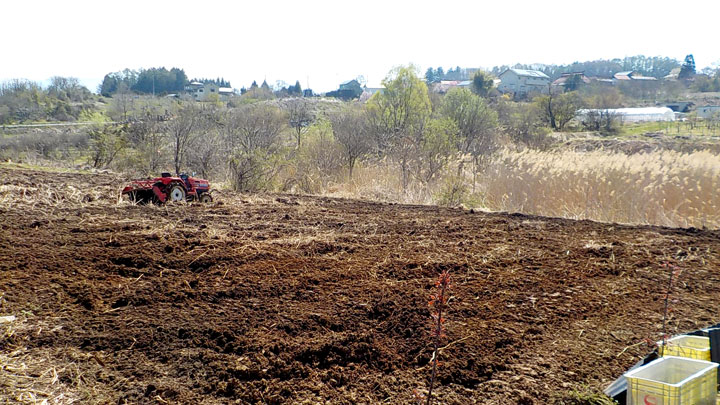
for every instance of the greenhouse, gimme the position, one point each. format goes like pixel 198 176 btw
pixel 632 114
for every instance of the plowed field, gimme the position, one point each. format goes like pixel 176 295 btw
pixel 289 299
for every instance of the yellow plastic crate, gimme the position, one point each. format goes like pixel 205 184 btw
pixel 692 347
pixel 673 381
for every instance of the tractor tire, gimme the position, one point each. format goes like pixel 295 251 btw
pixel 176 193
pixel 206 198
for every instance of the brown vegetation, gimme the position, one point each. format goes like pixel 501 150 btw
pixel 287 299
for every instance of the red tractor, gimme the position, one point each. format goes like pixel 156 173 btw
pixel 168 188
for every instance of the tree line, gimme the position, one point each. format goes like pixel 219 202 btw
pixel 654 66
pixel 146 81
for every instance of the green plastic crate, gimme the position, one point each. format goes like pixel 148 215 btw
pixel 692 347
pixel 673 381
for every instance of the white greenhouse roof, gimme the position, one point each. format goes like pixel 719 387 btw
pixel 643 111
pixel 637 114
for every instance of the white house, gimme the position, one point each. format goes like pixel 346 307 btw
pixel 201 91
pixel 522 82
pixel 204 91
pixel 226 92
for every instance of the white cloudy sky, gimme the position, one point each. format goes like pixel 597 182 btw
pixel 327 42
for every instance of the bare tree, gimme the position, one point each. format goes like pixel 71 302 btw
pixel 204 156
pixel 438 146
pixel 252 138
pixel 352 131
pixel 122 103
pixel 149 135
pixel 299 116
pixel 182 130
pixel 106 142
pixel 319 162
pixel 558 109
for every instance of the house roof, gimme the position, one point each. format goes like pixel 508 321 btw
pixel 623 76
pixel 560 81
pixel 527 73
pixel 680 106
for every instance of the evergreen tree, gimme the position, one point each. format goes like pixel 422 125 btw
pixel 430 76
pixel 482 83
pixel 688 68
pixel 458 73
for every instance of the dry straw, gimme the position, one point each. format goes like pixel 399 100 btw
pixel 661 188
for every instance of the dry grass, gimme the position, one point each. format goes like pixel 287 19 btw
pixel 382 182
pixel 665 188
pixel 56 196
pixel 661 188
pixel 31 377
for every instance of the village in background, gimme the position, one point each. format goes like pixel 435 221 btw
pixel 629 140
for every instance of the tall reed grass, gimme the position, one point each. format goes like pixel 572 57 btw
pixel 660 188
pixel 665 187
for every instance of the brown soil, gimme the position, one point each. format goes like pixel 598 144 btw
pixel 288 299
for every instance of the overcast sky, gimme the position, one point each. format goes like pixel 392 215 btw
pixel 326 42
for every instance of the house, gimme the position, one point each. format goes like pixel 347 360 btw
pixel 348 90
pixel 680 106
pixel 521 82
pixel 602 81
pixel 226 92
pixel 571 79
pixel 350 85
pixel 465 84
pixel 631 76
pixel 708 111
pixel 202 91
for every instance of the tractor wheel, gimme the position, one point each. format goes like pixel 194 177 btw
pixel 176 193
pixel 206 198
